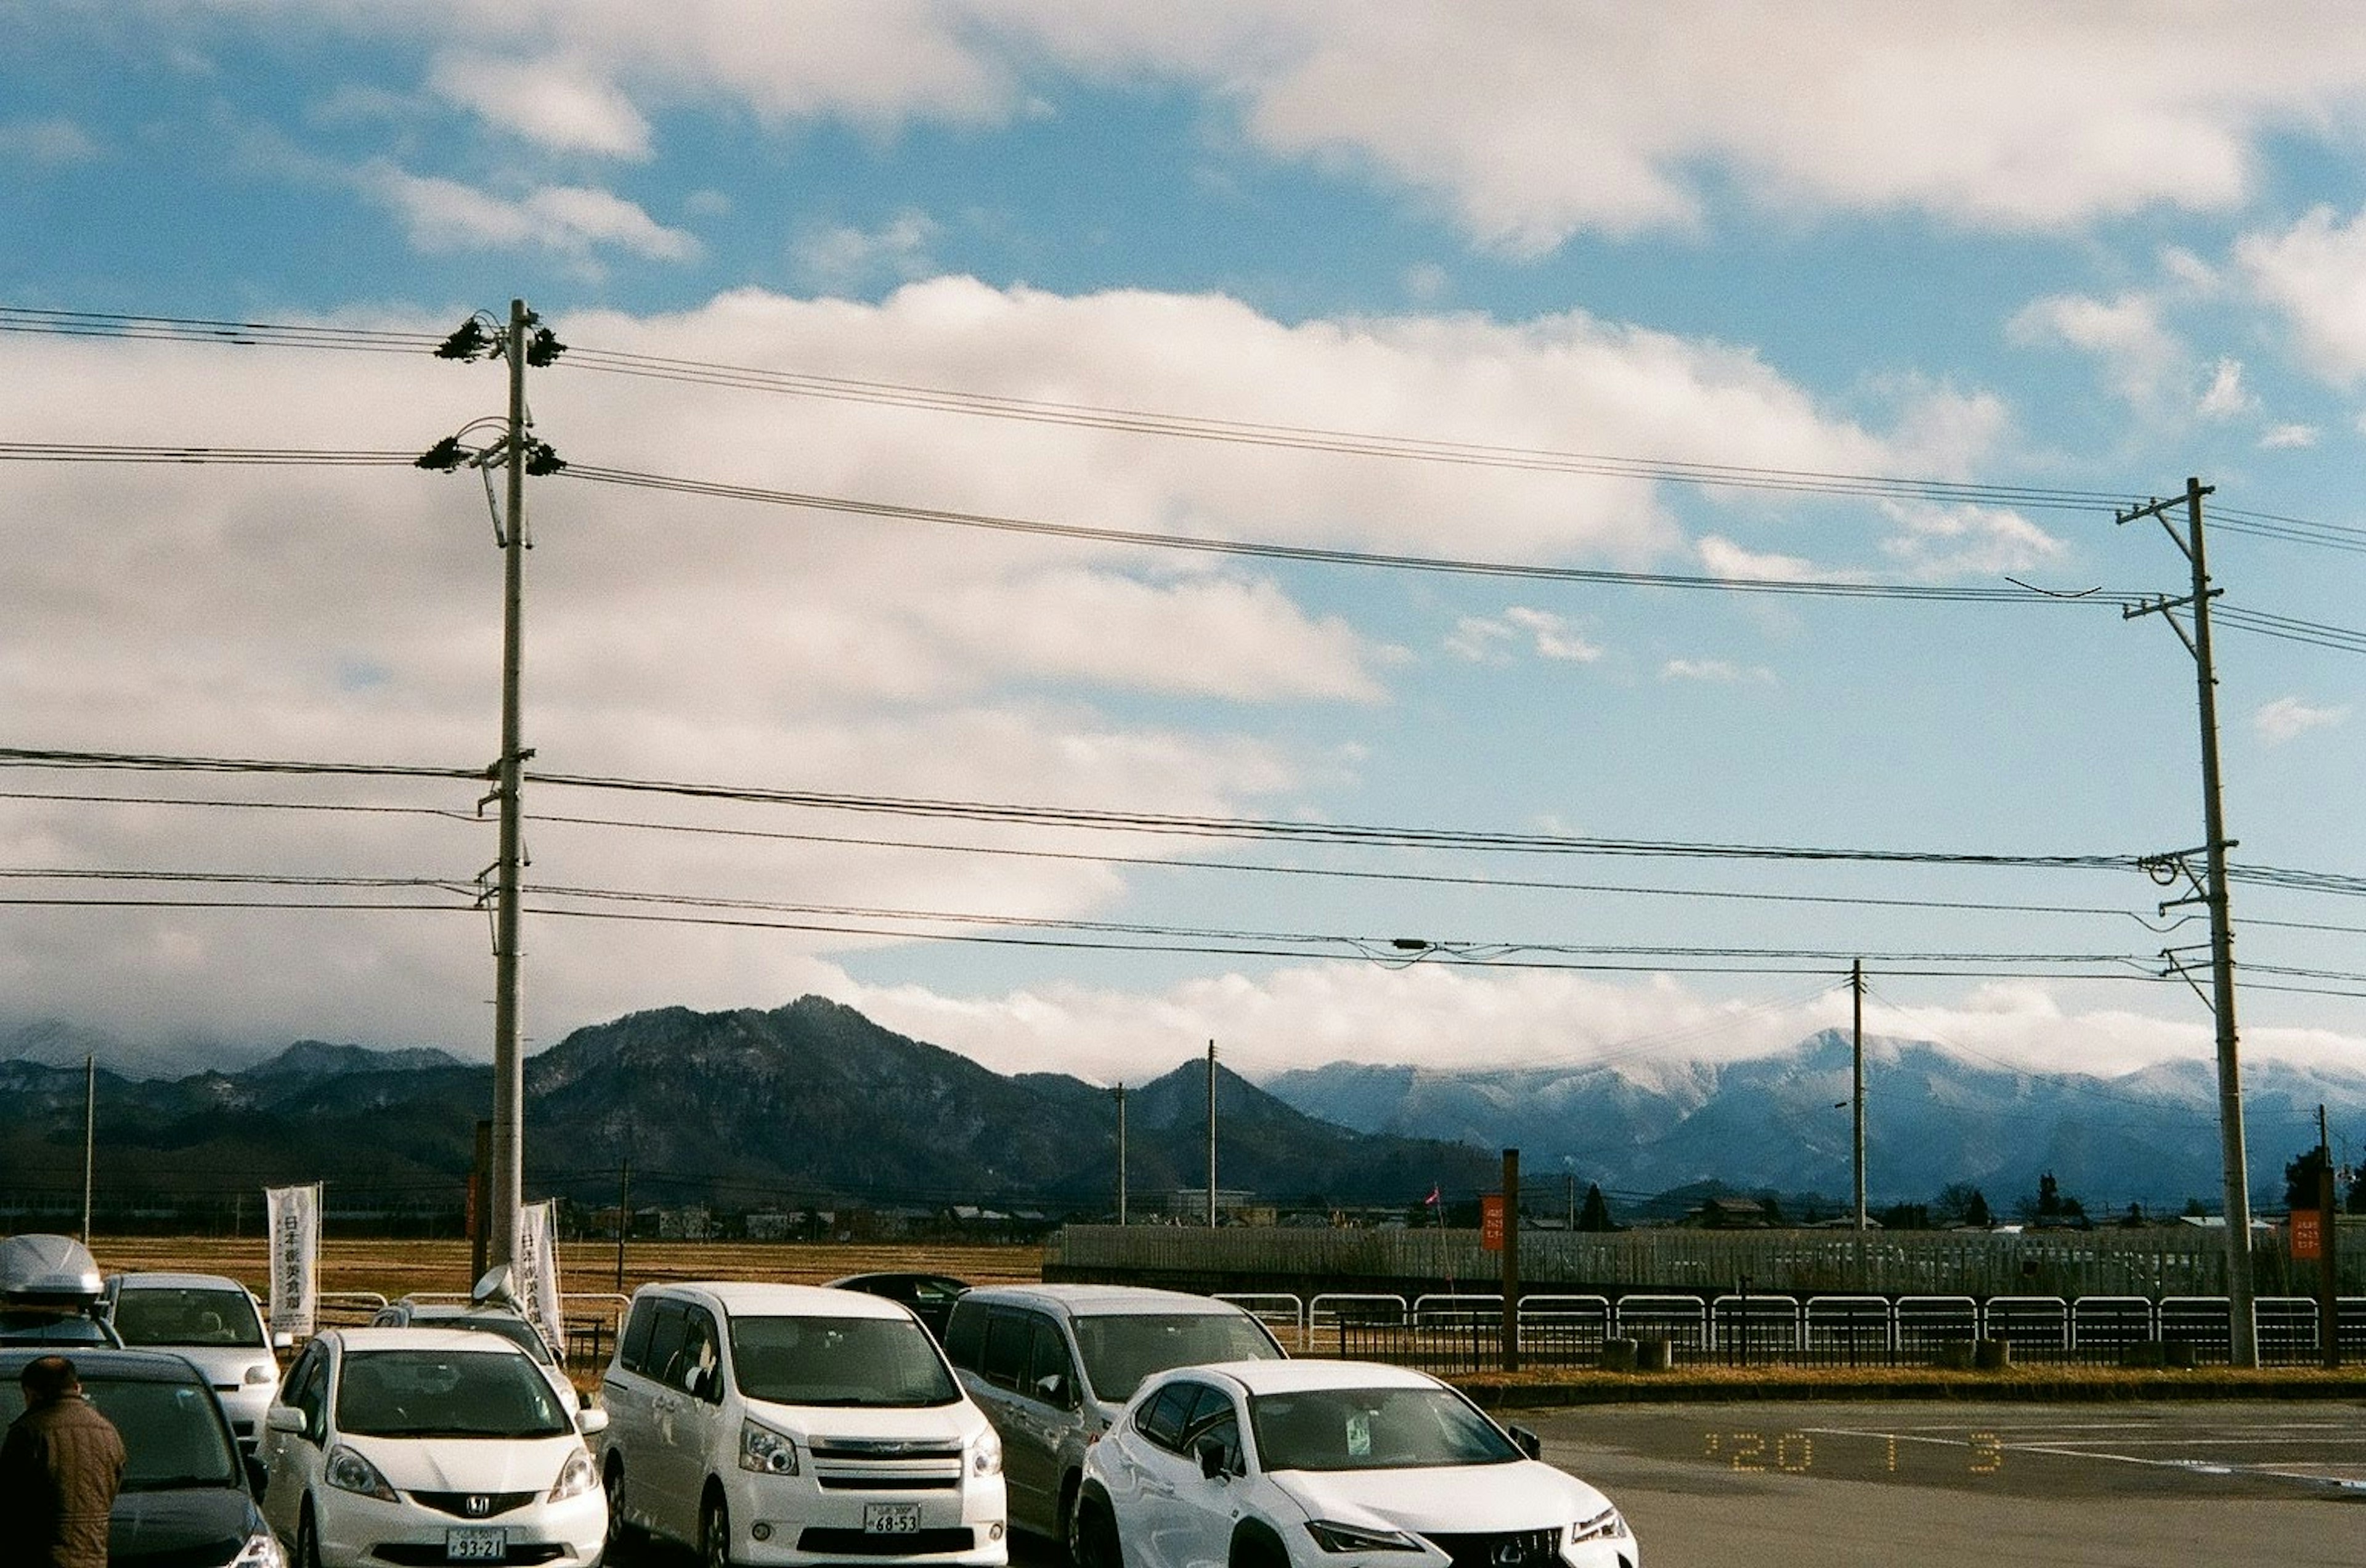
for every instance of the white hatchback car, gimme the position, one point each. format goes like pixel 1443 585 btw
pixel 794 1425
pixel 1295 1464
pixel 429 1446
pixel 216 1324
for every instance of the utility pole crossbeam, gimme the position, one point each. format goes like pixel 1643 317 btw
pixel 2212 890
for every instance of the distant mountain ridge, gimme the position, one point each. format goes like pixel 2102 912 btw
pixel 1782 1122
pixel 813 1104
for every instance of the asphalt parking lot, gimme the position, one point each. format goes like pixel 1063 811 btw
pixel 1838 1485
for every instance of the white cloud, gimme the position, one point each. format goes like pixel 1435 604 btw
pixel 2289 718
pixel 45 144
pixel 2125 332
pixel 845 258
pixel 552 102
pixel 1724 558
pixel 1717 671
pixel 1567 119
pixel 445 216
pixel 2288 438
pixel 2313 274
pixel 2227 396
pixel 1938 543
pixel 1543 635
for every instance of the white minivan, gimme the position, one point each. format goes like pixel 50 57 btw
pixel 795 1423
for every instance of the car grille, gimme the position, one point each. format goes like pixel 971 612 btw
pixel 1511 1548
pixel 474 1505
pixel 856 1464
pixel 860 1543
pixel 522 1554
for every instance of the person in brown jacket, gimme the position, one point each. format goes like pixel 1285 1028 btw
pixel 59 1467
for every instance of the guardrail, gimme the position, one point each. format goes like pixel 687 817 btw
pixel 1463 1331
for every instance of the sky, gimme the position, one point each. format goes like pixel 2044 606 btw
pixel 949 324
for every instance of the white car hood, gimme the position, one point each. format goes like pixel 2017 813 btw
pixel 1444 1499
pixel 960 1422
pixel 467 1464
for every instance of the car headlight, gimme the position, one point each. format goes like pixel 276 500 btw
pixel 575 1477
pixel 261 1549
pixel 1332 1536
pixel 1607 1524
pixel 349 1471
pixel 765 1451
pixel 985 1459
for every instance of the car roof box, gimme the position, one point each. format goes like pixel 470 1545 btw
pixel 44 1268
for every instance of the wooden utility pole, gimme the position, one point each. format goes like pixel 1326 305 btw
pixel 2210 890
pixel 1211 1134
pixel 623 1217
pixel 1511 1261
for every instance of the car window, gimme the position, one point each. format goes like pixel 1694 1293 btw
pixel 445 1393
pixel 516 1331
pixel 1051 1374
pixel 665 1338
pixel 635 1353
pixel 881 1361
pixel 1224 1429
pixel 194 1315
pixel 49 1325
pixel 695 1366
pixel 307 1382
pixel 172 1436
pixel 1009 1341
pixel 965 1335
pixel 1121 1349
pixel 1161 1419
pixel 1381 1428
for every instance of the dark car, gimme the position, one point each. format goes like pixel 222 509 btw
pixel 930 1296
pixel 187 1499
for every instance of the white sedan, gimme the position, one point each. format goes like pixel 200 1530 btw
pixel 420 1445
pixel 1330 1464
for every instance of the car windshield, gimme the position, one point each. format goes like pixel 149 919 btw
pixel 51 1325
pixel 516 1331
pixel 1373 1428
pixel 445 1393
pixel 1121 1349
pixel 172 1434
pixel 194 1316
pixel 839 1360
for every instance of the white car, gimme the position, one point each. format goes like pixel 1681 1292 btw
pixel 794 1425
pixel 1340 1464
pixel 429 1446
pixel 216 1324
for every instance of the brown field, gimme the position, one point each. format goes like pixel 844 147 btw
pixel 393 1268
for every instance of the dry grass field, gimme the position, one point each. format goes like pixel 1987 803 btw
pixel 393 1268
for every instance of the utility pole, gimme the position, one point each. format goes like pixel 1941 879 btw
pixel 1211 1134
pixel 1121 1153
pixel 2328 1257
pixel 89 1136
pixel 2210 890
pixel 1856 1037
pixel 509 1064
pixel 1511 1261
pixel 623 1217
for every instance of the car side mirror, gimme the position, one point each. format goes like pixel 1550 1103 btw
pixel 283 1340
pixel 283 1418
pixel 592 1421
pixel 1211 1452
pixel 1526 1441
pixel 1053 1389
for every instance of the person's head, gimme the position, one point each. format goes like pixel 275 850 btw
pixel 48 1380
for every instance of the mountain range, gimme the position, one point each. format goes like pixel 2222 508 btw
pixel 813 1104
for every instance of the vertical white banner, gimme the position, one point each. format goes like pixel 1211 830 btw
pixel 295 1217
pixel 533 1261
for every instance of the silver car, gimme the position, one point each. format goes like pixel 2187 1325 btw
pixel 215 1324
pixel 1053 1365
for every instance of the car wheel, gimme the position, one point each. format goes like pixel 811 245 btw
pixel 307 1540
pixel 621 1535
pixel 1253 1548
pixel 1067 1518
pixel 1092 1534
pixel 714 1533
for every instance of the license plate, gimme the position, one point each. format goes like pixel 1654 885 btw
pixel 891 1519
pixel 476 1545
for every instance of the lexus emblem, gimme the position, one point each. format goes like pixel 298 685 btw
pixel 479 1506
